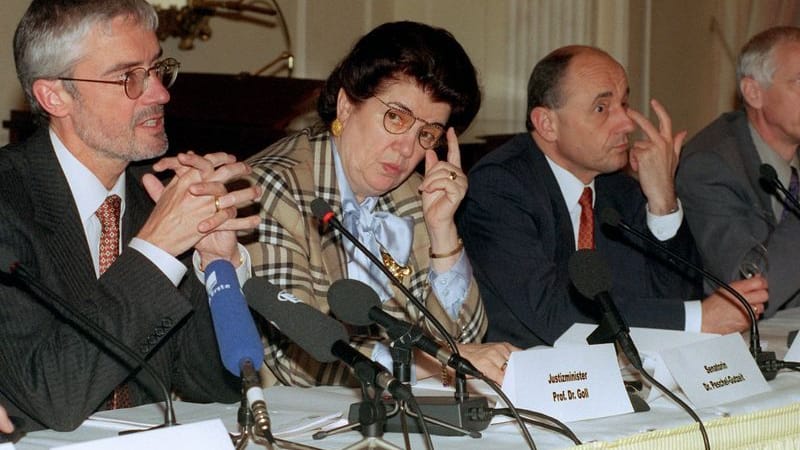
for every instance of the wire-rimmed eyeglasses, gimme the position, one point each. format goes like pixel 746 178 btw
pixel 397 120
pixel 135 80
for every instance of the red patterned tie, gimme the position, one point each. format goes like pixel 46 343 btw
pixel 108 213
pixel 586 228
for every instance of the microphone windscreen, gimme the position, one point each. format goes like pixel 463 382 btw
pixel 320 209
pixel 768 172
pixel 352 300
pixel 589 273
pixel 237 336
pixel 610 216
pixel 306 326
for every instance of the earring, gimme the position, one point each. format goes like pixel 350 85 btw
pixel 336 127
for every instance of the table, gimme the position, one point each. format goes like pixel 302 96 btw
pixel 765 422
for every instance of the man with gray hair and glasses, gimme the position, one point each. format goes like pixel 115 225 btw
pixel 111 240
pixel 741 225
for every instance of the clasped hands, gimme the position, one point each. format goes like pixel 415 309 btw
pixel 195 208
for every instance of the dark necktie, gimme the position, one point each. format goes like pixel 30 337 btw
pixel 586 228
pixel 794 189
pixel 108 213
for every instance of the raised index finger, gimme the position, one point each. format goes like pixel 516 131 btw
pixel 453 153
pixel 640 120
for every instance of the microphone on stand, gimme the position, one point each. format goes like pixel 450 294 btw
pixel 11 266
pixel 590 275
pixel 592 278
pixel 239 343
pixel 358 304
pixel 770 182
pixel 321 336
pixel 766 361
pixel 326 340
pixel 323 212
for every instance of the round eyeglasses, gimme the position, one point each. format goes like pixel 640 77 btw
pixel 397 120
pixel 135 80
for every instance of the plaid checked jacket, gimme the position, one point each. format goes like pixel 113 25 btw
pixel 295 254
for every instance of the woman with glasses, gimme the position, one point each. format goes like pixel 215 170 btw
pixel 402 92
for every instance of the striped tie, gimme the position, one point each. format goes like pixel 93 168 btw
pixel 794 187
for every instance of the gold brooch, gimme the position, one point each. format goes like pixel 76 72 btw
pixel 398 270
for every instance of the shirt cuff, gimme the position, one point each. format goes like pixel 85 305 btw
pixel 170 266
pixel 243 272
pixel 693 321
pixel 451 287
pixel 382 355
pixel 665 227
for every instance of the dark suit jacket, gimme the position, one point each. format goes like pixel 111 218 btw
pixel 729 212
pixel 519 237
pixel 55 376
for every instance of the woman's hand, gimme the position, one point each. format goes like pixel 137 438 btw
pixel 442 190
pixel 490 358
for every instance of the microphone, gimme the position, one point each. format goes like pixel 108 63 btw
pixel 11 266
pixel 356 303
pixel 321 336
pixel 770 182
pixel 239 343
pixel 767 362
pixel 590 275
pixel 323 212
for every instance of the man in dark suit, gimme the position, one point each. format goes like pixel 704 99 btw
pixel 521 218
pixel 91 69
pixel 734 218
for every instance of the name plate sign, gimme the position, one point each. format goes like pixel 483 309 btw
pixel 715 371
pixel 569 382
pixel 794 351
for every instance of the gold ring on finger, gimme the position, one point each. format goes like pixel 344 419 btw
pixel 216 203
pixel 453 175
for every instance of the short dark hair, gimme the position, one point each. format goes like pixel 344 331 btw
pixel 544 85
pixel 427 54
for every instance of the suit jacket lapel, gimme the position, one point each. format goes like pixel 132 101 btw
pixel 752 166
pixel 326 188
pixel 57 213
pixel 559 207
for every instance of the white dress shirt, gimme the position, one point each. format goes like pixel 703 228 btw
pixel 663 227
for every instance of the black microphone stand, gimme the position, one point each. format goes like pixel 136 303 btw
pixel 323 212
pixel 446 419
pixel 371 420
pixel 770 182
pixel 325 215
pixel 89 328
pixel 767 362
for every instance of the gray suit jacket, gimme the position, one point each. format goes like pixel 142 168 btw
pixel 729 211
pixel 53 375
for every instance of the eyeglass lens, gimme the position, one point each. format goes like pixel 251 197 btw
pixel 397 121
pixel 136 79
